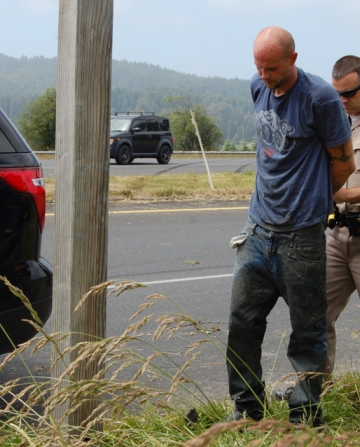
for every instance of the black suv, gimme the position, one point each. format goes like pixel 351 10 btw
pixel 22 218
pixel 140 135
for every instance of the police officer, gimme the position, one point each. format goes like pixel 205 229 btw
pixel 343 244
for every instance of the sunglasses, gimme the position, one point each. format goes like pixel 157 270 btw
pixel 349 93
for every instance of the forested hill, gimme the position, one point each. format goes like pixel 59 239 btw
pixel 140 75
pixel 137 86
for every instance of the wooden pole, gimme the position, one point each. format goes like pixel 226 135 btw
pixel 82 180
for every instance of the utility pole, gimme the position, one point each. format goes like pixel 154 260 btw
pixel 82 182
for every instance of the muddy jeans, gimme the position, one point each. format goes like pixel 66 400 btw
pixel 269 265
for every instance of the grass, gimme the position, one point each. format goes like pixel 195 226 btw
pixel 191 187
pixel 228 186
pixel 143 398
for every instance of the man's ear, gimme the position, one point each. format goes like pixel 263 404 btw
pixel 293 57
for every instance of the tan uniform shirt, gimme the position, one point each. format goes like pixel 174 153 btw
pixel 354 180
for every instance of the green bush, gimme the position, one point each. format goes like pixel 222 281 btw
pixel 37 121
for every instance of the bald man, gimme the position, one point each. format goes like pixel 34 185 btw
pixel 304 155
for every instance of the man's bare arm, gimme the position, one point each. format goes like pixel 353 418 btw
pixel 343 164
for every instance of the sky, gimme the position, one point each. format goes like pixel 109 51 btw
pixel 211 38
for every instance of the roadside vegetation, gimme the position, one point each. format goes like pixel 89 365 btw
pixel 190 187
pixel 183 128
pixel 146 395
pixel 37 121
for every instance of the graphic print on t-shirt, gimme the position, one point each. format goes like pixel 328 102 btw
pixel 273 132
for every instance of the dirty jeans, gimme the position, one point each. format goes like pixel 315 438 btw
pixel 269 265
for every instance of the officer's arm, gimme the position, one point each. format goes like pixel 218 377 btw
pixel 342 163
pixel 349 195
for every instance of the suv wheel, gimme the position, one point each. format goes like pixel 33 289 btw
pixel 124 156
pixel 164 155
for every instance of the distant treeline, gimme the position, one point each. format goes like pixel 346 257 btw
pixel 137 87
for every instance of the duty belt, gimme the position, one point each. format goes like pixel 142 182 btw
pixel 352 222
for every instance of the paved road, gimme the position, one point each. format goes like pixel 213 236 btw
pixel 150 166
pixel 185 255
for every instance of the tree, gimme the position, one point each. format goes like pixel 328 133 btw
pixel 228 146
pixel 37 121
pixel 184 131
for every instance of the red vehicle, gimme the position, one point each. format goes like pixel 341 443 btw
pixel 22 219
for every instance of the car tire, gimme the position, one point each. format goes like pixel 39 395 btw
pixel 124 156
pixel 164 155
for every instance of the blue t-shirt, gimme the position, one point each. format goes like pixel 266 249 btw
pixel 293 182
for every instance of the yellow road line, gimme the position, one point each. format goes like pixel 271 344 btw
pixel 175 210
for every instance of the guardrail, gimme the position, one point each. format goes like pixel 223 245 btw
pixel 44 152
pixel 187 152
pixel 217 152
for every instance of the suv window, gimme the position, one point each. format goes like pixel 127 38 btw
pixel 165 125
pixel 118 124
pixel 153 126
pixel 5 145
pixel 139 123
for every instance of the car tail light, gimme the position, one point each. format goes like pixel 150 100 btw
pixel 29 181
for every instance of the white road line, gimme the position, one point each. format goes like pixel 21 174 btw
pixel 196 278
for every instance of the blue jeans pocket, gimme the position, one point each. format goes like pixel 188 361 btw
pixel 307 250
